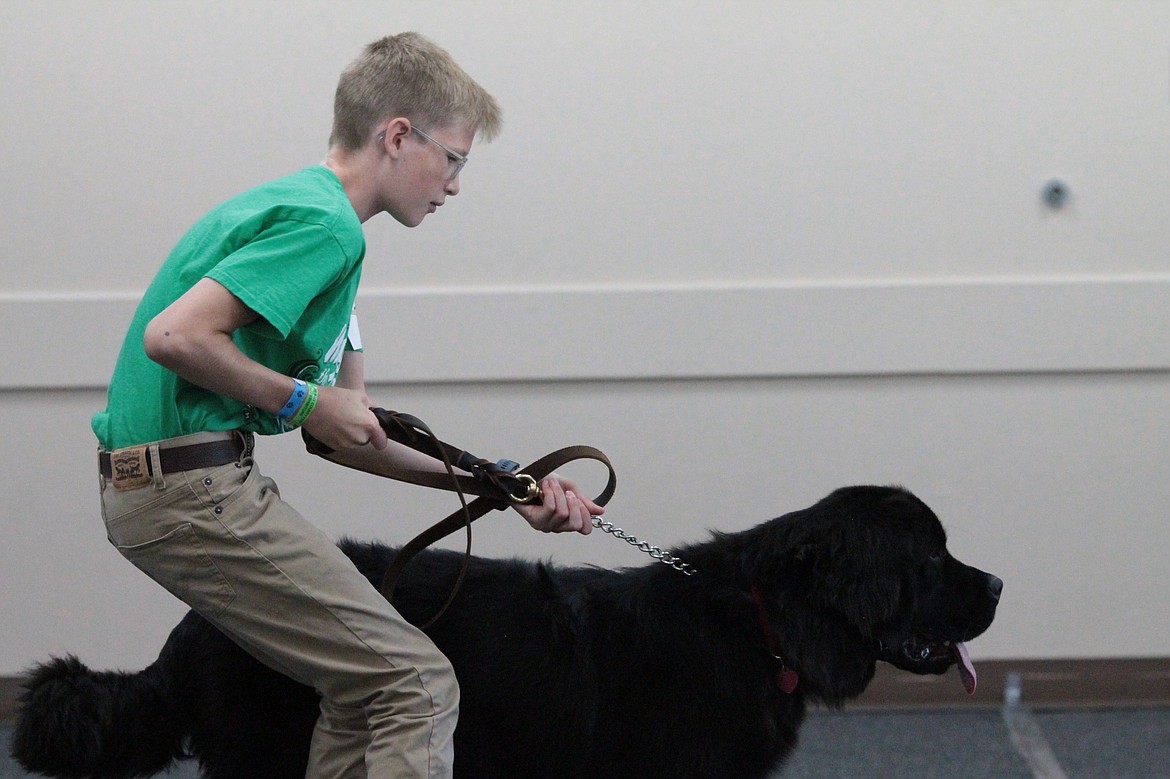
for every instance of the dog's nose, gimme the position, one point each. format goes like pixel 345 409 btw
pixel 994 586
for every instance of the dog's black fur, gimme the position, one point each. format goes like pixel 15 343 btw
pixel 569 671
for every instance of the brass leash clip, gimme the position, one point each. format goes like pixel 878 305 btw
pixel 527 491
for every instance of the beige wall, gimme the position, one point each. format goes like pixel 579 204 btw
pixel 754 251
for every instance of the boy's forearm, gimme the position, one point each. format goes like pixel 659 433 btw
pixel 395 455
pixel 214 362
pixel 193 338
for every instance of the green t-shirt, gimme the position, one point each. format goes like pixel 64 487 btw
pixel 291 250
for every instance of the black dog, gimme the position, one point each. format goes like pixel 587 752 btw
pixel 572 672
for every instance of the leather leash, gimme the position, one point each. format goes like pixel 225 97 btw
pixel 495 484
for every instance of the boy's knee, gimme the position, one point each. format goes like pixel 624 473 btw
pixel 443 686
pixel 428 688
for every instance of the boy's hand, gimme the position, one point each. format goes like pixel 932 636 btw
pixel 342 420
pixel 562 510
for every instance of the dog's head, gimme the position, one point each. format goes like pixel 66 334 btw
pixel 944 603
pixel 870 566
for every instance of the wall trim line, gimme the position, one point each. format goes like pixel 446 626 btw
pixel 674 331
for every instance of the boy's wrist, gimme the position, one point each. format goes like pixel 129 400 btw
pixel 300 403
pixel 306 408
pixel 294 402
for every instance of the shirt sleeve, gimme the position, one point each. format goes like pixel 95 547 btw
pixel 279 272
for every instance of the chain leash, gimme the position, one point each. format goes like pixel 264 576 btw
pixel 655 552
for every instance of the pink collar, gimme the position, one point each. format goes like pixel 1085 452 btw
pixel 786 678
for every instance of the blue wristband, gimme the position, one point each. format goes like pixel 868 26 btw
pixel 293 404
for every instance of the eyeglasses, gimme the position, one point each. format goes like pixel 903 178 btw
pixel 455 160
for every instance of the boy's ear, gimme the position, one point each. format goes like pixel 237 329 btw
pixel 393 134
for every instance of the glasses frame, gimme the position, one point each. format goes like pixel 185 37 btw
pixel 454 157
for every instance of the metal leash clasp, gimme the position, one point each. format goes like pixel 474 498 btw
pixel 527 490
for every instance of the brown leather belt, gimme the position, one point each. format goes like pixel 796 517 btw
pixel 178 458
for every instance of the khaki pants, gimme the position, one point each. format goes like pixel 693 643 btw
pixel 223 541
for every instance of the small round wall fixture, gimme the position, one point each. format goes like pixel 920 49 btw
pixel 1055 194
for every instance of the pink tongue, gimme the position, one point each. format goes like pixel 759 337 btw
pixel 966 669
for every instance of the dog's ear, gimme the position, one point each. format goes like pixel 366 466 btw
pixel 855 573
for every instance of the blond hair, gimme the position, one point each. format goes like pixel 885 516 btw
pixel 410 76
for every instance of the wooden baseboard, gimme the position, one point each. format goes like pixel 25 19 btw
pixel 1055 683
pixel 9 690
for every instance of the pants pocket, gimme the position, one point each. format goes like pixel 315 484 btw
pixel 179 562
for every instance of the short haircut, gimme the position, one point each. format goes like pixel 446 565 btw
pixel 408 75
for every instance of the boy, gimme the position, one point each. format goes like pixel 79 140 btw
pixel 247 329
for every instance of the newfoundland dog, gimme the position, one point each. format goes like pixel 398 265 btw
pixel 572 671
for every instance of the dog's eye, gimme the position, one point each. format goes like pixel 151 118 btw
pixel 937 556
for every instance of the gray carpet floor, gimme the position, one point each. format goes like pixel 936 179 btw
pixel 953 743
pixel 978 744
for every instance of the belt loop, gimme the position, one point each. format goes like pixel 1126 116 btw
pixel 101 476
pixel 248 440
pixel 156 466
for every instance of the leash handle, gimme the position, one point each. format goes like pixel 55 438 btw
pixel 487 478
pixel 470 512
pixel 496 484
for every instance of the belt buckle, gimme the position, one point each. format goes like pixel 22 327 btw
pixel 130 468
